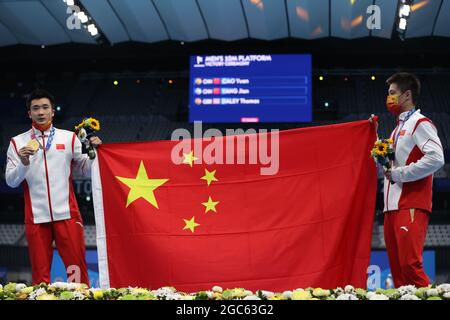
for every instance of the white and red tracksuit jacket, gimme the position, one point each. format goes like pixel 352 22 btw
pixel 47 180
pixel 418 154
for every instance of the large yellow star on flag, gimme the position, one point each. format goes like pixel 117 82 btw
pixel 142 186
pixel 209 176
pixel 210 205
pixel 190 224
pixel 189 158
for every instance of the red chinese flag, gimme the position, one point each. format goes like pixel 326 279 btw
pixel 194 225
pixel 216 91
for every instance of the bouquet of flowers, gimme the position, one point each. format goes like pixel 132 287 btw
pixel 85 130
pixel 383 153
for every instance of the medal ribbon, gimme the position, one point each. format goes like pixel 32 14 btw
pixel 49 141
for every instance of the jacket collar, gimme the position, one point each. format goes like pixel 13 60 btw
pixel 403 115
pixel 38 132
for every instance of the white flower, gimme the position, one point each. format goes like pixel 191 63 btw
pixel 173 296
pixel 267 294
pixel 37 293
pixel 443 288
pixel 287 294
pixel 210 294
pixel 217 289
pixel 347 296
pixel 432 293
pixel 1 287
pixel 409 297
pixel 164 292
pixel 251 297
pixel 58 285
pixel 65 286
pixel 73 286
pixel 446 295
pixel 78 296
pixel 247 293
pixel 403 290
pixel 169 293
pixel 349 289
pixel 376 296
pixel 20 286
pixel 338 291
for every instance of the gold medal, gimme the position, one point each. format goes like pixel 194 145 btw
pixel 33 144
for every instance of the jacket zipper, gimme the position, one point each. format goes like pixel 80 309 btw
pixel 387 196
pixel 46 178
pixel 389 183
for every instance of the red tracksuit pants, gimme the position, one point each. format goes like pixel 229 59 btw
pixel 404 233
pixel 69 239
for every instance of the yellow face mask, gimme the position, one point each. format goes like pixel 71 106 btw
pixel 392 103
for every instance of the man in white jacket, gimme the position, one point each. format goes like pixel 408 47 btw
pixel 41 160
pixel 408 186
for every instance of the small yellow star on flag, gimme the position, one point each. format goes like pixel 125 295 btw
pixel 190 224
pixel 142 186
pixel 209 176
pixel 210 205
pixel 189 158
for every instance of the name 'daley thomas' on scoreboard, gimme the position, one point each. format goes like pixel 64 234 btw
pixel 231 101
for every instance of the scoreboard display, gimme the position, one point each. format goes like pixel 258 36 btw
pixel 250 88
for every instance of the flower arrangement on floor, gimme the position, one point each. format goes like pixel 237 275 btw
pixel 75 291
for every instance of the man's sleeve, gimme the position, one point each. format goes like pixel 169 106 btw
pixel 82 163
pixel 426 139
pixel 15 169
